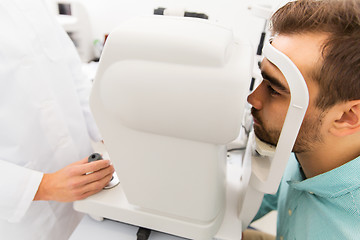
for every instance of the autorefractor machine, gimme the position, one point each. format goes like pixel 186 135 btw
pixel 168 97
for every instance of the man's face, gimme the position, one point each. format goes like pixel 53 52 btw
pixel 272 97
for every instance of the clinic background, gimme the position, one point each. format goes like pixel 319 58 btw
pixel 105 15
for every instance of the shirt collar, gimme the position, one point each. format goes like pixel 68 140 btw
pixel 334 183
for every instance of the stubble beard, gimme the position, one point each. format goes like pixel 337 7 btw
pixel 308 138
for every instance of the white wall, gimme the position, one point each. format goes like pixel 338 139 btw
pixel 105 15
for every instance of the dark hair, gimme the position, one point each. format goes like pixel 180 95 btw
pixel 338 75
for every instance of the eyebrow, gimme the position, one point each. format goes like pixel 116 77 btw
pixel 274 81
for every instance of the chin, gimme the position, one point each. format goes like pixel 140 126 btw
pixel 264 138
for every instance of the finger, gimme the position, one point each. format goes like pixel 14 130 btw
pixel 82 180
pixel 82 161
pixel 94 166
pixel 98 175
pixel 97 185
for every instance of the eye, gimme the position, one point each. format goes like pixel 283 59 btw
pixel 272 91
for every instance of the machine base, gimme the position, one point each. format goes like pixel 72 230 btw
pixel 112 204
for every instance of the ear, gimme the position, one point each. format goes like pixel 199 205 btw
pixel 348 120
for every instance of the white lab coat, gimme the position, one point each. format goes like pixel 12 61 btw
pixel 45 121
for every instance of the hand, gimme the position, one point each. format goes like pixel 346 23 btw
pixel 73 183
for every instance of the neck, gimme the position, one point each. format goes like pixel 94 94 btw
pixel 324 159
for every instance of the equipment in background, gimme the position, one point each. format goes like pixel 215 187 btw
pixel 74 19
pixel 179 13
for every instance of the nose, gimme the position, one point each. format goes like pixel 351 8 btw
pixel 255 98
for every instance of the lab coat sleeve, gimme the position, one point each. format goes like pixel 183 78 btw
pixel 18 187
pixel 268 204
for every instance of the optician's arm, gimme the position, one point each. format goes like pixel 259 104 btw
pixel 18 186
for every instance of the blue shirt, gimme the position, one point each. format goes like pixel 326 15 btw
pixel 326 206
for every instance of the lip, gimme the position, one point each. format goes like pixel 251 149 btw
pixel 256 121
pixel 254 114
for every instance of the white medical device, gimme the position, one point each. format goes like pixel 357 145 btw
pixel 168 96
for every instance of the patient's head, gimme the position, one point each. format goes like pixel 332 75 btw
pixel 322 39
